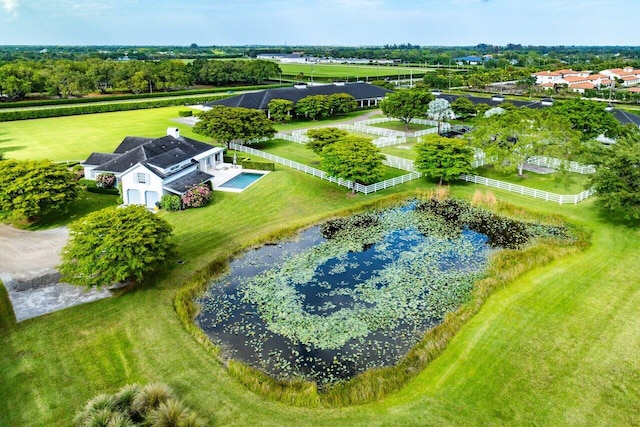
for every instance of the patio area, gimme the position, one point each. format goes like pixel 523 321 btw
pixel 223 172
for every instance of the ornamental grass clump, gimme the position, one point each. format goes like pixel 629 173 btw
pixel 153 405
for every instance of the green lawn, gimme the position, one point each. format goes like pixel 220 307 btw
pixel 75 137
pixel 301 154
pixel 406 151
pixel 558 346
pixel 349 71
pixel 399 126
pixel 572 183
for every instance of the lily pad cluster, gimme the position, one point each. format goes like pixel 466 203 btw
pixel 349 295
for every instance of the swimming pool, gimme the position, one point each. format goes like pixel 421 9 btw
pixel 242 181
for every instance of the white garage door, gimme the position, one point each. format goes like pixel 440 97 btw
pixel 151 197
pixel 133 197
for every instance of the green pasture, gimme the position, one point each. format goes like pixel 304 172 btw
pixel 76 137
pixel 557 182
pixel 558 346
pixel 301 154
pixel 406 150
pixel 351 72
pixel 401 127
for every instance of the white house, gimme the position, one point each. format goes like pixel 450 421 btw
pixel 148 168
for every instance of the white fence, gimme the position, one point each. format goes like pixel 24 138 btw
pixel 554 163
pixel 356 127
pixel 297 137
pixel 445 127
pixel 399 163
pixel 538 194
pixel 366 189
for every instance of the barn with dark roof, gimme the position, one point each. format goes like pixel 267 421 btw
pixel 365 94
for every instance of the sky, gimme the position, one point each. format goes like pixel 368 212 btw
pixel 319 22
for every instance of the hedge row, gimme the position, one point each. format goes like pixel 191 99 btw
pixel 6 116
pixel 251 164
pixel 91 187
pixel 67 101
pixel 261 166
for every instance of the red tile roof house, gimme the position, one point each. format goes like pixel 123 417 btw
pixel 148 168
pixel 630 80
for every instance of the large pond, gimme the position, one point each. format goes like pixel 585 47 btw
pixel 343 297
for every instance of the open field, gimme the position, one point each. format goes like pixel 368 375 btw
pixel 75 137
pixel 351 72
pixel 558 346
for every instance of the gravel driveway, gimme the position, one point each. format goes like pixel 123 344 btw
pixel 28 261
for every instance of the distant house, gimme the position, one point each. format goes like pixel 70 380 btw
pixel 288 58
pixel 148 168
pixel 365 94
pixel 470 60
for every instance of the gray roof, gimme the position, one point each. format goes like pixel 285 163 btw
pixel 184 183
pixel 168 159
pixel 260 100
pixel 96 159
pixel 160 152
pixel 131 142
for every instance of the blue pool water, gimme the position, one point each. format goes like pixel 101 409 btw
pixel 242 181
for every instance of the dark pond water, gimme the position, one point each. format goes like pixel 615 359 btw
pixel 327 309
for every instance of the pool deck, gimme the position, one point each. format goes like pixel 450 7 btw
pixel 225 172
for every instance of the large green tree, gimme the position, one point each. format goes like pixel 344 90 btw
pixel 463 107
pixel 115 245
pixel 234 124
pixel 443 158
pixel 280 109
pixel 341 103
pixel 313 107
pixel 515 135
pixel 32 188
pixel 617 178
pixel 353 158
pixel 407 104
pixel 321 137
pixel 588 117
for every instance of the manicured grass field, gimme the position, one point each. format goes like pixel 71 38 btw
pixel 350 72
pixel 76 137
pixel 558 346
pixel 573 183
pixel 399 126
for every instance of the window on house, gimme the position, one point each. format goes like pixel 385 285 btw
pixel 141 178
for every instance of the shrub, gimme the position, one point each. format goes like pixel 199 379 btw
pixel 105 180
pixel 78 172
pixel 171 202
pixel 133 405
pixel 197 196
pixel 185 113
pixel 261 166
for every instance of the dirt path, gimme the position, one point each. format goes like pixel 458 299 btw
pixel 23 251
pixel 28 261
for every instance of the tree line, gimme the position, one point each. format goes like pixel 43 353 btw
pixel 66 78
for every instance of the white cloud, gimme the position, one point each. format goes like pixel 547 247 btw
pixel 10 6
